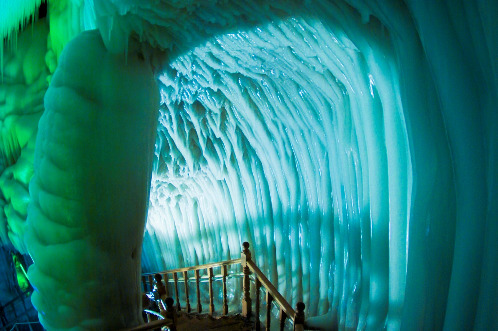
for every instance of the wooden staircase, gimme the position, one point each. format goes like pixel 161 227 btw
pixel 168 313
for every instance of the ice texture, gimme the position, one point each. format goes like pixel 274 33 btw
pixel 21 105
pixel 353 148
pixel 352 143
pixel 15 14
pixel 285 134
pixel 89 193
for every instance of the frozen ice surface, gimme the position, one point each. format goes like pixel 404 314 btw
pixel 352 144
pixel 89 193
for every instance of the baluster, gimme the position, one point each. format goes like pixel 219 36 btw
pixel 269 300
pixel 151 284
pixel 299 317
pixel 197 285
pixel 224 274
pixel 171 313
pixel 175 279
pixel 211 301
pixel 185 277
pixel 283 317
pixel 256 313
pixel 161 289
pixel 246 284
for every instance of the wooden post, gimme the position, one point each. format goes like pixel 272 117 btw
pixel 246 283
pixel 269 300
pixel 257 323
pixel 283 317
pixel 224 274
pixel 211 300
pixel 161 289
pixel 171 312
pixel 299 317
pixel 175 279
pixel 197 286
pixel 185 277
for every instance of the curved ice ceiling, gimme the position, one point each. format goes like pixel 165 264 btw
pixel 351 144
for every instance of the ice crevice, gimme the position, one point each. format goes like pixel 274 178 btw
pixel 351 143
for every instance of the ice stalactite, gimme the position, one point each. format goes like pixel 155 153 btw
pixel 21 105
pixel 320 134
pixel 352 143
pixel 90 188
pixel 286 134
pixel 15 15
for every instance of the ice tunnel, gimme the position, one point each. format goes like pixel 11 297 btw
pixel 352 143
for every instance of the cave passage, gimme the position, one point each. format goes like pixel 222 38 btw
pixel 351 144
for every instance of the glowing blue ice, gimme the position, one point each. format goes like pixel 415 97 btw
pixel 352 143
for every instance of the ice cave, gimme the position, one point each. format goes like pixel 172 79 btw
pixel 352 143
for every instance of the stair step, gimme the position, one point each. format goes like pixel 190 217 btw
pixel 202 322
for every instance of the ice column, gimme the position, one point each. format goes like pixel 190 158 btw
pixel 90 189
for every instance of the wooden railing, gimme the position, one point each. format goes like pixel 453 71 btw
pixel 248 268
pixel 272 294
pixel 172 276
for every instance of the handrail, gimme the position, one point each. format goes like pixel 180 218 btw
pixel 272 290
pixel 272 294
pixel 197 267
pixel 210 277
pixel 248 266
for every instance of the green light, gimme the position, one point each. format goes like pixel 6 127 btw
pixel 22 278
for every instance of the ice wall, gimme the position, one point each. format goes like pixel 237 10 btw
pixel 285 135
pixel 461 48
pixel 352 143
pixel 329 137
pixel 22 90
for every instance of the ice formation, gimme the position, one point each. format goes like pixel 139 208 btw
pixel 89 193
pixel 21 105
pixel 351 143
